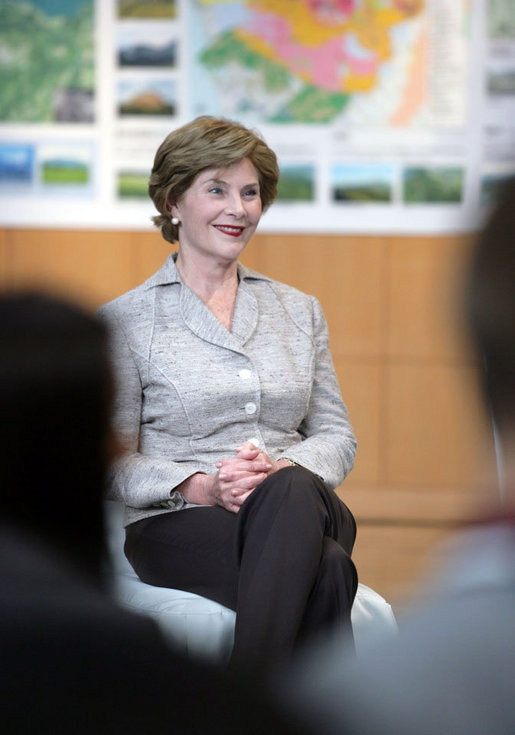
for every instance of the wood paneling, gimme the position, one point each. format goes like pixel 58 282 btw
pixel 436 433
pixel 4 255
pixel 424 281
pixel 363 389
pixel 393 560
pixel 405 372
pixel 86 266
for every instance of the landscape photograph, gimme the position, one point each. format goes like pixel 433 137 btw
pixel 146 45
pixel 501 80
pixel 492 186
pixel 296 183
pixel 147 8
pixel 66 165
pixel 148 96
pixel 361 182
pixel 16 164
pixel 132 184
pixel 433 185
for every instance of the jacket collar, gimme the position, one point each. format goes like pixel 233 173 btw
pixel 168 274
pixel 201 321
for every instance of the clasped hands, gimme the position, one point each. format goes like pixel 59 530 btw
pixel 235 479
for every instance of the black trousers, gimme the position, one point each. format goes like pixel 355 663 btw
pixel 282 563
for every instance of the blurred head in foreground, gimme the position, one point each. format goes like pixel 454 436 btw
pixel 55 391
pixel 490 312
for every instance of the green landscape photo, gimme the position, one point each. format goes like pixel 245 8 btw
pixel 433 185
pixel 296 183
pixel 132 185
pixel 361 183
pixel 147 9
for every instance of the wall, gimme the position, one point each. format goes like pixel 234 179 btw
pixel 405 373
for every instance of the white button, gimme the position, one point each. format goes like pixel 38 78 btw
pixel 245 374
pixel 250 408
pixel 254 440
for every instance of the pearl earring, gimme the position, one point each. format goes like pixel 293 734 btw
pixel 175 221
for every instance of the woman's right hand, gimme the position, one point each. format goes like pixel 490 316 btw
pixel 229 487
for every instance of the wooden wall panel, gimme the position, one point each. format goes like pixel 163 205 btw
pixel 363 389
pixel 4 255
pixel 436 434
pixel 394 559
pixel 83 265
pixel 420 506
pixel 424 281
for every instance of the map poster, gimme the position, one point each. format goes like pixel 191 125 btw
pixel 395 116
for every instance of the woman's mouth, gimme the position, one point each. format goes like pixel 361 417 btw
pixel 230 230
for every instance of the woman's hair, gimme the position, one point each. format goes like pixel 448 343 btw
pixel 206 142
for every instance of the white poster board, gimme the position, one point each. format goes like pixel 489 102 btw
pixel 386 118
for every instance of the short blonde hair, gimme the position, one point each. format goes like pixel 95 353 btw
pixel 206 142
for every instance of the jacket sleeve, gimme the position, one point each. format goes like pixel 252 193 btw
pixel 329 444
pixel 140 481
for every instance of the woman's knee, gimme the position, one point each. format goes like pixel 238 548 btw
pixel 337 573
pixel 309 494
pixel 296 481
pixel 334 558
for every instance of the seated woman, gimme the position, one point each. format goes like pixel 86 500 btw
pixel 229 408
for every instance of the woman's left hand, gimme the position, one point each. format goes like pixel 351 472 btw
pixel 249 461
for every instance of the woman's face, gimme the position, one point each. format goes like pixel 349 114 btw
pixel 220 211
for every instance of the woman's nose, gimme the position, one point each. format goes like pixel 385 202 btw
pixel 234 205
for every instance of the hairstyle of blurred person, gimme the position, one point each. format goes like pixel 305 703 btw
pixel 71 660
pixel 490 314
pixel 54 434
pixel 452 669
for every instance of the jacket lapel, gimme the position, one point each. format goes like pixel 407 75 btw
pixel 201 321
pixel 246 314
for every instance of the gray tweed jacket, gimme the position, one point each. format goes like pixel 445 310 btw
pixel 189 391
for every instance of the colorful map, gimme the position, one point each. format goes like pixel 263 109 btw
pixel 47 71
pixel 309 61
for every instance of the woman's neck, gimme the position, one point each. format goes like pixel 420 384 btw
pixel 216 285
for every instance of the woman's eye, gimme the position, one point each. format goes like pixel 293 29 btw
pixel 251 193
pixel 215 190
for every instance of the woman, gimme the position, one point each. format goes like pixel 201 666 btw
pixel 230 409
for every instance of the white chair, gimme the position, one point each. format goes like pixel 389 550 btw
pixel 200 627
